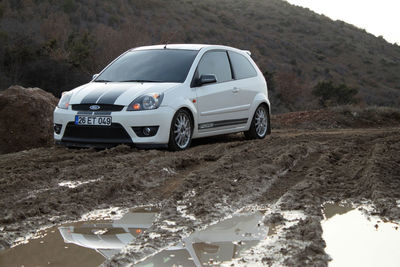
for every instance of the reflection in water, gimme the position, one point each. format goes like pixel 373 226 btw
pixel 49 250
pixel 109 238
pixel 353 239
pixel 217 243
pixel 106 237
pixel 220 242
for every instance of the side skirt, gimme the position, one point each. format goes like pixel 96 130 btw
pixel 215 124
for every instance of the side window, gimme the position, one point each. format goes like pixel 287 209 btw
pixel 242 68
pixel 217 63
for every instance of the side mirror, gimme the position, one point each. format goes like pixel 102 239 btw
pixel 94 76
pixel 206 79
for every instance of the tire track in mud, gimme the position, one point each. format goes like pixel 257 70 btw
pixel 380 181
pixel 208 201
pixel 197 161
pixel 290 177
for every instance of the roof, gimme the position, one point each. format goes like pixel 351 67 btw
pixel 188 47
pixel 174 46
pixel 195 47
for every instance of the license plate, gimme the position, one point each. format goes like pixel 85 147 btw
pixel 93 120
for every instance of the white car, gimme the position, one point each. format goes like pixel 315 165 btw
pixel 166 95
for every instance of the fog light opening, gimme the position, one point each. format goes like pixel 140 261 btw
pixel 146 131
pixel 57 128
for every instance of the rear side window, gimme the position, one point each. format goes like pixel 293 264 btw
pixel 217 63
pixel 242 68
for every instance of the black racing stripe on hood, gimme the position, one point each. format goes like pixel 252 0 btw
pixel 111 96
pixel 93 96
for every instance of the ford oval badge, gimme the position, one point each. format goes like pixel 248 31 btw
pixel 94 107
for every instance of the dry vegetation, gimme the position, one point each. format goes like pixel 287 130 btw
pixel 57 45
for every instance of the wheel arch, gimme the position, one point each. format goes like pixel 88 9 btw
pixel 190 113
pixel 258 100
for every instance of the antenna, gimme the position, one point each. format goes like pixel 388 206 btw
pixel 169 39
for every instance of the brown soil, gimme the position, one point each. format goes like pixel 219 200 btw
pixel 338 117
pixel 291 169
pixel 26 118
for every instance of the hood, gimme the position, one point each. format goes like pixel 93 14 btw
pixel 115 93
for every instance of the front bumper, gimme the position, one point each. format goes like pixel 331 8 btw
pixel 121 131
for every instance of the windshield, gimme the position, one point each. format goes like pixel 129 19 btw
pixel 164 65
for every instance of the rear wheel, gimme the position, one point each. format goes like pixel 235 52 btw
pixel 181 131
pixel 260 124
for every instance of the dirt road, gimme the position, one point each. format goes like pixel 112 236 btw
pixel 291 170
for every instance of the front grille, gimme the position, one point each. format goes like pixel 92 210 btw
pixel 103 107
pixel 96 134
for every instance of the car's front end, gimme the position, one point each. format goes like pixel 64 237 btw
pixel 104 124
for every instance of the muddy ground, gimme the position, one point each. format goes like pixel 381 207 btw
pixel 289 171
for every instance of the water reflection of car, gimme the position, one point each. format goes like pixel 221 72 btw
pixel 109 238
pixel 165 96
pixel 217 243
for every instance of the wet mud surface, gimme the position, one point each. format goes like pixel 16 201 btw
pixel 288 176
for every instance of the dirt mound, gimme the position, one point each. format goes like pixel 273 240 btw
pixel 304 119
pixel 26 119
pixel 338 117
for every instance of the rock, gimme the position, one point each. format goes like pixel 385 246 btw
pixel 26 118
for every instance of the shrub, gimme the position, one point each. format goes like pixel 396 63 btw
pixel 1 10
pixel 330 94
pixel 269 77
pixel 69 6
pixel 80 48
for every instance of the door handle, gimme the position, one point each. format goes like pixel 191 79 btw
pixel 235 90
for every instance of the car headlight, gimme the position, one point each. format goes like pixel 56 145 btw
pixel 146 102
pixel 64 101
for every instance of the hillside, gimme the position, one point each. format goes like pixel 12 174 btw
pixel 57 45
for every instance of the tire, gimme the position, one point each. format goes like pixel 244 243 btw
pixel 260 124
pixel 181 131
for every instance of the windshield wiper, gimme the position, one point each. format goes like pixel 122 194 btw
pixel 141 81
pixel 102 81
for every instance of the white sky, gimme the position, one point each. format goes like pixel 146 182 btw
pixel 379 17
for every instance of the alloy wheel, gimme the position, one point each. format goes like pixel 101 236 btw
pixel 182 130
pixel 261 121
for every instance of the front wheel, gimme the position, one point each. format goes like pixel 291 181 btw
pixel 181 131
pixel 260 124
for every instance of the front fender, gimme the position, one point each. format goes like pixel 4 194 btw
pixel 187 104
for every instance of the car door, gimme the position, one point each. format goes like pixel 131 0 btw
pixel 217 102
pixel 246 82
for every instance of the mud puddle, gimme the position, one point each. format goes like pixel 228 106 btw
pixel 83 243
pixel 90 243
pixel 355 239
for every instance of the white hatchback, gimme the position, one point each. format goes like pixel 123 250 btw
pixel 166 95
